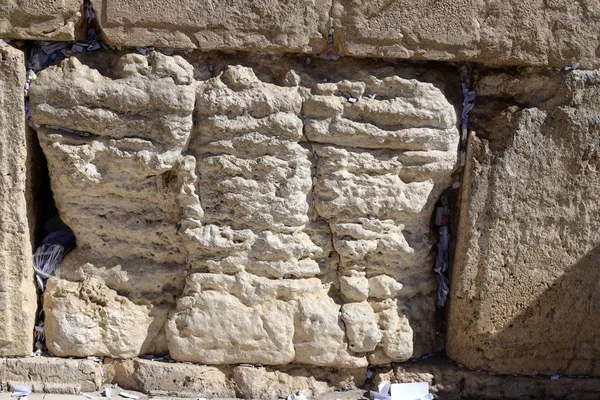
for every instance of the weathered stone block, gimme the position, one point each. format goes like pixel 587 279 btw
pixel 525 276
pixel 171 379
pixel 265 202
pixel 271 383
pixel 555 33
pixel 385 150
pixel 224 319
pixel 18 297
pixel 51 375
pixel 120 183
pixel 42 20
pixel 299 25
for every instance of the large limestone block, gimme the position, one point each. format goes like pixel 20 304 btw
pixel 232 319
pixel 298 25
pixel 52 374
pixel 153 288
pixel 172 380
pixel 385 150
pixel 89 318
pixel 41 20
pixel 254 179
pixel 524 294
pixel 275 383
pixel 115 152
pixel 120 180
pixel 18 298
pixel 536 32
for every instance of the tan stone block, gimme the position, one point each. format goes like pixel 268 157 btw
pixel 297 25
pixel 272 383
pixel 18 297
pixel 555 33
pixel 51 375
pixel 158 378
pixel 524 286
pixel 42 19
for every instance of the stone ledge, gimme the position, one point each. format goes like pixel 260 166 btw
pixel 51 375
pixel 450 381
pixel 160 380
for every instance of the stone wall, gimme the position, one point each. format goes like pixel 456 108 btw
pixel 253 188
pixel 229 219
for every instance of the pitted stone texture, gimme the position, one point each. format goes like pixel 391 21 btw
pixel 171 379
pixel 117 186
pixel 51 375
pixel 254 181
pixel 294 26
pixel 525 277
pixel 89 318
pixel 280 222
pixel 41 20
pixel 121 182
pixel 271 383
pixel 555 33
pixel 18 297
pixel 223 319
pixel 386 149
pixel 152 289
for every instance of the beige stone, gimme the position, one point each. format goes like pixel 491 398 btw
pixel 124 140
pixel 18 297
pixel 224 319
pixel 298 26
pixel 42 20
pixel 254 181
pixel 271 383
pixel 361 327
pixel 238 178
pixel 524 282
pixel 89 318
pixel 354 287
pixel 384 287
pixel 385 149
pixel 554 33
pixel 171 379
pixel 51 374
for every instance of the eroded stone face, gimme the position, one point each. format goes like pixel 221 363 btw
pixel 298 25
pixel 42 20
pixel 18 297
pixel 556 33
pixel 298 219
pixel 524 294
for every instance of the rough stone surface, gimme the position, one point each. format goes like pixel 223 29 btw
pixel 269 383
pixel 89 318
pixel 120 192
pixel 450 382
pixel 538 32
pixel 171 379
pixel 18 297
pixel 382 163
pixel 299 25
pixel 41 20
pixel 525 276
pixel 51 375
pixel 251 234
pixel 187 380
